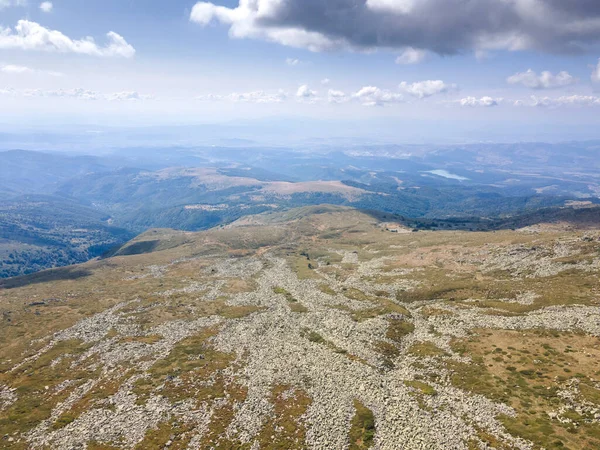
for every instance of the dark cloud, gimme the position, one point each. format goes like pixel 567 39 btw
pixel 441 26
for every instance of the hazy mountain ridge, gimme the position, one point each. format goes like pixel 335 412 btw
pixel 198 188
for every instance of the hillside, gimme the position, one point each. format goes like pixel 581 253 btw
pixel 38 232
pixel 321 327
pixel 109 198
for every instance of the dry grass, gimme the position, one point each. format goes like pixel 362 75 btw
pixel 286 430
pixel 526 370
pixel 426 349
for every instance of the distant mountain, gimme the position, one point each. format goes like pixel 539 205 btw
pixel 36 172
pixel 199 188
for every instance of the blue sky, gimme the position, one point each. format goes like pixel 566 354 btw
pixel 371 61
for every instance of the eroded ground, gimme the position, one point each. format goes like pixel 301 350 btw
pixel 310 331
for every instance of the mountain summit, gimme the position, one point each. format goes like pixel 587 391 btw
pixel 320 327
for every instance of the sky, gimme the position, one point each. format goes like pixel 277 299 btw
pixel 408 69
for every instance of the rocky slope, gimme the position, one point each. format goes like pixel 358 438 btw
pixel 321 328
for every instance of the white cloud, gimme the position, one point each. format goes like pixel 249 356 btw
pixel 204 13
pixel 13 69
pixel 483 101
pixel 292 62
pixel 9 3
pixel 210 97
pixel 46 7
pixel 334 96
pixel 246 97
pixel 411 56
pixel 306 94
pixel 258 97
pixel 596 73
pixel 545 80
pixel 374 96
pixel 428 88
pixel 395 6
pixel 244 22
pixel 77 93
pixel 325 81
pixel 567 100
pixel 32 36
pixel 128 96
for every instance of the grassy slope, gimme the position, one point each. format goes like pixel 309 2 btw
pixel 36 306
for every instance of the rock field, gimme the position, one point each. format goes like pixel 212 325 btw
pixel 192 360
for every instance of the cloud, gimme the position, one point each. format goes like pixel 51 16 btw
pixel 596 73
pixel 13 69
pixel 439 26
pixel 411 56
pixel 9 3
pixel 486 102
pixel 428 88
pixel 545 80
pixel 128 96
pixel 395 6
pixel 570 100
pixel 32 36
pixel 292 62
pixel 305 94
pixel 374 96
pixel 247 97
pixel 77 93
pixel 258 97
pixel 46 7
pixel 325 81
pixel 334 96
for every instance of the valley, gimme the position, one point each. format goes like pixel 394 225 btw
pixel 109 198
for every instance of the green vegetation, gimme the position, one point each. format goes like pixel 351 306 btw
pixel 176 434
pixel 289 297
pixel 362 431
pixel 293 303
pixel 190 360
pixel 528 376
pixel 48 196
pixel 398 329
pixel 163 278
pixel 287 430
pixel 313 336
pixel 298 308
pixel 41 232
pixel 326 289
pixel 34 383
pixel 426 349
pixel 422 387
